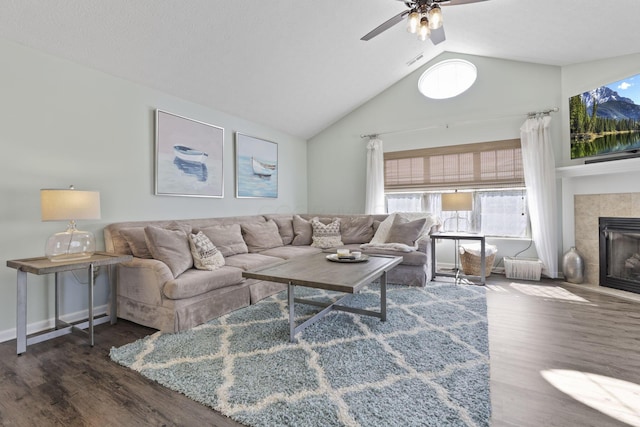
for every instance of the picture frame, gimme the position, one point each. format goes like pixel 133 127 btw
pixel 256 167
pixel 189 157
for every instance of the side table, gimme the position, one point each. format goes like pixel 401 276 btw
pixel 457 236
pixel 43 265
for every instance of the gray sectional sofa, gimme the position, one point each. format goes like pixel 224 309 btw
pixel 170 295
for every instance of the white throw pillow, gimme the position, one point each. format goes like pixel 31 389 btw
pixel 205 255
pixel 326 236
pixel 383 230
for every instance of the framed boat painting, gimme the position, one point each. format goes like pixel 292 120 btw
pixel 189 157
pixel 256 167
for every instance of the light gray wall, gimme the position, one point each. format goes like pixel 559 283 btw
pixel 493 109
pixel 65 124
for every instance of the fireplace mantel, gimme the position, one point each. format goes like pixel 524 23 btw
pixel 600 168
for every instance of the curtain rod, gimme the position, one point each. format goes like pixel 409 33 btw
pixel 529 115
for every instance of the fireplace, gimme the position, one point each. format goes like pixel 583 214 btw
pixel 620 253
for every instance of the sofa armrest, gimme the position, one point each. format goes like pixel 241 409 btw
pixel 143 279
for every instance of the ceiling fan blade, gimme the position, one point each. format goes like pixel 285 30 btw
pixel 437 36
pixel 385 25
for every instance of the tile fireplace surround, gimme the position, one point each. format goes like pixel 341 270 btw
pixel 587 209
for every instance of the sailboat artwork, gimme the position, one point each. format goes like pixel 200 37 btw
pixel 262 169
pixel 189 157
pixel 188 154
pixel 256 167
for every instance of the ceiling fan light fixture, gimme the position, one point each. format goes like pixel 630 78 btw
pixel 413 21
pixel 435 17
pixel 423 31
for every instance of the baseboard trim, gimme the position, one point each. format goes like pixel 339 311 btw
pixel 43 325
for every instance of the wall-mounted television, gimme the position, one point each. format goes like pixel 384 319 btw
pixel 605 121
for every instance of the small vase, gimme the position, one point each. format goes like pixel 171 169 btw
pixel 573 266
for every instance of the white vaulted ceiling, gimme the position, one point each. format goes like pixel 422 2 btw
pixel 299 65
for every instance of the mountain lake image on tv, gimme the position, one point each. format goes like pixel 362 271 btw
pixel 606 120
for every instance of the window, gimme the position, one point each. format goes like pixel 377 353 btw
pixel 496 212
pixel 447 79
pixel 469 166
pixel 492 171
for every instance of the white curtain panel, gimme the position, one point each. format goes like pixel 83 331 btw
pixel 540 180
pixel 374 203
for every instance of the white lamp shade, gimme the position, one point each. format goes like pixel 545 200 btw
pixel 457 202
pixel 65 205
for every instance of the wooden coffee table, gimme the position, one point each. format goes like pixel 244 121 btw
pixel 316 271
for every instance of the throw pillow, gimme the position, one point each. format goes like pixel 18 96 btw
pixel 205 255
pixel 260 236
pixel 326 235
pixel 432 224
pixel 302 231
pixel 171 247
pixel 227 238
pixel 136 241
pixel 405 231
pixel 356 229
pixel 285 227
pixel 383 229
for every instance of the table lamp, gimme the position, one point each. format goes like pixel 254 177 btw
pixel 69 205
pixel 457 202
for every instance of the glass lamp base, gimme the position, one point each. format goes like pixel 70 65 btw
pixel 70 246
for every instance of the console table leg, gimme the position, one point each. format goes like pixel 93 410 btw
pixel 91 282
pixel 56 321
pixel 113 285
pixel 21 309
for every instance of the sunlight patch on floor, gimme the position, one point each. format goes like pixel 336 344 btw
pixel 616 398
pixel 554 292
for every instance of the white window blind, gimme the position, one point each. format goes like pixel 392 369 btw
pixel 482 165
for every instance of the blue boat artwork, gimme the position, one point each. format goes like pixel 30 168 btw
pixel 191 162
pixel 257 167
pixel 189 157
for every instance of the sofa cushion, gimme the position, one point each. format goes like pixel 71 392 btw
pixel 227 238
pixel 302 231
pixel 326 235
pixel 170 247
pixel 260 236
pixel 137 243
pixel 405 231
pixel 196 282
pixel 285 228
pixel 356 229
pixel 251 261
pixel 205 255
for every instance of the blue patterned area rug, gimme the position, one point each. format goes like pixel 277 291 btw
pixel 427 365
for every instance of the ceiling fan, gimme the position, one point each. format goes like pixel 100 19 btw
pixel 424 19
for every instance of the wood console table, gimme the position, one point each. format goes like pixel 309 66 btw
pixel 41 266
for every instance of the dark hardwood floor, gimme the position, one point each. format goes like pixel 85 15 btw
pixel 534 327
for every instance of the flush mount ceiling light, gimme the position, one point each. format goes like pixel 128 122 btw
pixel 424 18
pixel 447 79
